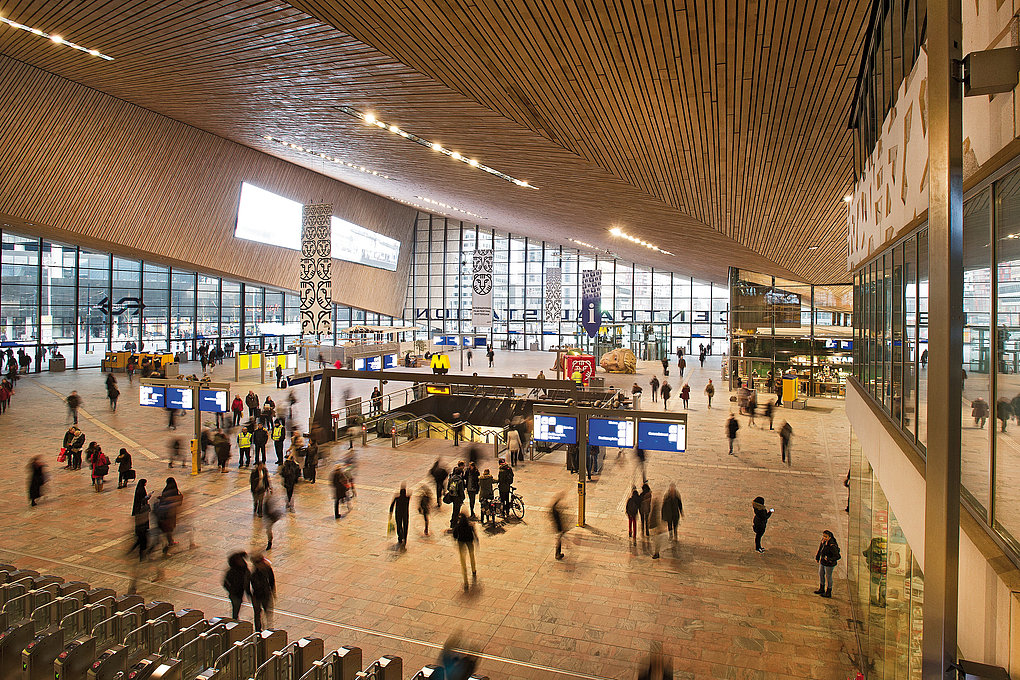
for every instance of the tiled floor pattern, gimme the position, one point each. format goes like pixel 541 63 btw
pixel 717 607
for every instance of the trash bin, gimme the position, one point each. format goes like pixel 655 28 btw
pixel 636 399
pixel 58 364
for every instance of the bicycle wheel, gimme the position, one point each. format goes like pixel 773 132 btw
pixel 517 507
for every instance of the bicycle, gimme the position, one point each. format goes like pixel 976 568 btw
pixel 516 504
pixel 494 506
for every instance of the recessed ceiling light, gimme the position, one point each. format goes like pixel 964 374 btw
pixel 620 233
pixel 54 37
pixel 448 207
pixel 589 246
pixel 322 156
pixel 370 119
pixel 812 247
pixel 848 198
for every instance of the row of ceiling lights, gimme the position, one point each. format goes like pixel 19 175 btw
pixel 620 233
pixel 370 119
pixel 53 37
pixel 325 157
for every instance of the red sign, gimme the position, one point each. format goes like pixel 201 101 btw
pixel 585 363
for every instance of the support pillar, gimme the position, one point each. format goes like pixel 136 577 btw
pixel 945 338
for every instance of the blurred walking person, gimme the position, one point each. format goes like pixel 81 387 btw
pixel 112 391
pixel 259 483
pixel 237 582
pixel 399 509
pixel 731 431
pixel 263 590
pixel 633 508
pixel 785 435
pixel 425 506
pixel 36 479
pixel 672 510
pixel 558 522
pixel 464 535
pixel 290 473
pixel 73 404
pixel 140 514
pixel 168 506
pixel 340 490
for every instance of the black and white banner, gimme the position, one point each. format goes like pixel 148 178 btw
pixel 316 277
pixel 553 294
pixel 481 289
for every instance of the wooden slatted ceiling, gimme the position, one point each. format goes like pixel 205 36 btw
pixel 729 110
pixel 85 168
pixel 244 70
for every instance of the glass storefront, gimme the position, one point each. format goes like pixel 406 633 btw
pixel 891 346
pixel 886 583
pixel 648 310
pixel 83 303
pixel 781 327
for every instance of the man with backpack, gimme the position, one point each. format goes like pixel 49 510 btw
pixel 455 492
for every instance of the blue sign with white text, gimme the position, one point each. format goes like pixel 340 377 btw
pixel 658 435
pixel 180 397
pixel 611 432
pixel 556 429
pixel 150 395
pixel 213 401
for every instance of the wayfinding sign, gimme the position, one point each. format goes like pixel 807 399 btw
pixel 555 429
pixel 660 435
pixel 150 395
pixel 618 432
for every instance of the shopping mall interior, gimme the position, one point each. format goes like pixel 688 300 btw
pixel 462 340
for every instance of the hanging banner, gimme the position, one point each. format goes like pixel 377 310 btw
pixel 316 275
pixel 591 301
pixel 553 294
pixel 481 289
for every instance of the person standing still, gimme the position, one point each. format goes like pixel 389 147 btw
pixel 237 582
pixel 485 495
pixel 278 435
pixel 464 534
pixel 654 382
pixel 469 357
pixel 260 437
pixel 472 477
pixel 399 508
pixel 633 507
pixel 710 392
pixel 645 509
pixel 731 431
pixel 263 590
pixel 826 557
pixel 513 443
pixel 490 355
pixel 666 391
pixel 244 440
pixel 761 521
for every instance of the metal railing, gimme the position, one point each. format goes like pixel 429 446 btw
pixel 341 417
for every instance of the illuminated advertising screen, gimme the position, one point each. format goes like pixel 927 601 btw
pixel 611 432
pixel 658 435
pixel 556 429
pixel 213 401
pixel 274 220
pixel 179 397
pixel 150 395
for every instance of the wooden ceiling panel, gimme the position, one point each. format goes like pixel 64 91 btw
pixel 711 129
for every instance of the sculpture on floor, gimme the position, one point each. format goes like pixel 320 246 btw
pixel 619 361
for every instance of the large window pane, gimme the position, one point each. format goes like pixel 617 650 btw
pixel 977 395
pixel 922 337
pixel 182 311
pixel 93 307
pixel 156 313
pixel 126 301
pixel 1007 448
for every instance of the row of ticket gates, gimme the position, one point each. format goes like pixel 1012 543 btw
pixel 57 630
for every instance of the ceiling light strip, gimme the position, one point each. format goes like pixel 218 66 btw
pixel 591 247
pixel 54 38
pixel 449 207
pixel 370 119
pixel 620 233
pixel 325 157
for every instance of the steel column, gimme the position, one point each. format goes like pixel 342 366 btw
pixel 945 338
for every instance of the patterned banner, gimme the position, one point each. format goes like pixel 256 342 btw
pixel 591 301
pixel 553 294
pixel 316 277
pixel 481 289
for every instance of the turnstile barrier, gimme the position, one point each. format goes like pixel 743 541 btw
pixel 385 668
pixel 203 651
pixel 172 647
pixel 430 672
pixel 81 622
pixel 341 664
pixel 291 662
pixel 243 658
pixel 53 612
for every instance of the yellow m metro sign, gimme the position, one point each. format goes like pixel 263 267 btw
pixel 440 363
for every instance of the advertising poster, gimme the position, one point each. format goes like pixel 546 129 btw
pixel 481 289
pixel 553 294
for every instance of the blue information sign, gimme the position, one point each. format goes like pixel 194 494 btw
pixel 150 395
pixel 610 432
pixel 556 429
pixel 390 361
pixel 659 435
pixel 179 397
pixel 374 364
pixel 213 401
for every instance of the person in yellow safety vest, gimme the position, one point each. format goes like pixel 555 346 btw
pixel 577 378
pixel 244 448
pixel 278 435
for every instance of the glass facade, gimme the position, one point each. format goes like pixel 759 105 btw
pixel 790 328
pixel 648 310
pixel 891 340
pixel 886 583
pixel 84 303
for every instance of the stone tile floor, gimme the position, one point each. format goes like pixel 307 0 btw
pixel 719 609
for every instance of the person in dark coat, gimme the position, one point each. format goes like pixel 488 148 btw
pixel 665 391
pixel 140 514
pixel 486 493
pixel 761 521
pixel 685 394
pixel 979 411
pixel 263 590
pixel 259 483
pixel 504 480
pixel 785 436
pixel 291 472
pixel 439 475
pixel 464 535
pixel 826 557
pixel 672 510
pixel 455 492
pixel 74 442
pixel 559 523
pixel 112 391
pixel 221 445
pixel 1003 411
pixel 259 438
pixel 168 507
pixel 654 382
pixel 768 411
pixel 731 431
pixel 425 506
pixel 633 508
pixel 237 581
pixel 311 465
pixel 471 478
pixel 123 468
pixel 645 509
pixel 400 509
pixel 36 479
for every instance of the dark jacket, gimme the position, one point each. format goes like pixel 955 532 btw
pixel 36 481
pixel 455 485
pixel 633 504
pixel 290 473
pixel 237 580
pixel 485 483
pixel 646 500
pixel 400 504
pixel 761 516
pixel 471 477
pixel 123 461
pixel 731 428
pixel 260 436
pixel 828 553
pixel 505 479
pixel 263 582
pixel 259 480
pixel 464 531
pixel 672 507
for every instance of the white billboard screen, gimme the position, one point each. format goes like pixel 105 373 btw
pixel 274 220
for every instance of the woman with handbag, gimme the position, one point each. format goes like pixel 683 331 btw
pixel 124 472
pixel 100 467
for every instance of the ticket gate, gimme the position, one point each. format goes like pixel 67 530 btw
pixel 13 589
pixel 291 662
pixel 341 664
pixel 21 628
pixel 53 612
pixel 243 658
pixel 147 638
pixel 143 668
pixel 23 606
pixel 38 656
pixel 172 647
pixel 97 594
pixel 202 652
pixel 47 580
pixel 73 662
pixel 126 602
pixel 112 656
pixel 430 672
pixel 81 622
pixel 168 669
pixel 71 587
pixel 385 668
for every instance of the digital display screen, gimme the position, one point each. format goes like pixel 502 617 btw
pixel 274 220
pixel 374 363
pixel 657 435
pixel 150 395
pixel 556 429
pixel 213 401
pixel 607 432
pixel 390 361
pixel 179 397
